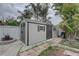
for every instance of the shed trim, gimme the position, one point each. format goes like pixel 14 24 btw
pixel 27 33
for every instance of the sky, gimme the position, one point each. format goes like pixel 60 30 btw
pixel 10 9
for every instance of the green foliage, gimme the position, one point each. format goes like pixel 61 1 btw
pixel 50 47
pixel 26 14
pixel 68 28
pixel 40 10
pixel 12 23
pixel 70 15
pixel 35 9
pixel 9 21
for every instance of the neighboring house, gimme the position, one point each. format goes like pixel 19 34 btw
pixel 33 32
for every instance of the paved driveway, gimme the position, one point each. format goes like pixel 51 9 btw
pixel 10 49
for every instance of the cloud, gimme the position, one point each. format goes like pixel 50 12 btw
pixel 10 9
pixel 56 19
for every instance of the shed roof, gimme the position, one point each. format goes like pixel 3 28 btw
pixel 35 21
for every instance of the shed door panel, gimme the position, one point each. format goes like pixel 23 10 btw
pixel 49 31
pixel 23 32
pixel 36 36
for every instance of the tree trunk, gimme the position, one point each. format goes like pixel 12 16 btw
pixel 37 17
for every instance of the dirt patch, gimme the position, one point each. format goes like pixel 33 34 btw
pixel 52 51
pixel 56 52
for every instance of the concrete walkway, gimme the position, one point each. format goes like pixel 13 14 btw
pixel 69 50
pixel 34 51
pixel 54 42
pixel 37 50
pixel 70 53
pixel 10 49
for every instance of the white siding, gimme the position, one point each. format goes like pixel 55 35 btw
pixel 36 36
pixel 13 31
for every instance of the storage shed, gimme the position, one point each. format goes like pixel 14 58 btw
pixel 33 32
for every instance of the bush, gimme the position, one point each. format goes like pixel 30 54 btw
pixel 50 47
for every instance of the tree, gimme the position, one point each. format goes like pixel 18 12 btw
pixel 44 12
pixel 26 14
pixel 1 23
pixel 40 10
pixel 12 22
pixel 37 10
pixel 9 21
pixel 68 13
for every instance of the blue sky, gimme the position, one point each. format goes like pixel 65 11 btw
pixel 11 10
